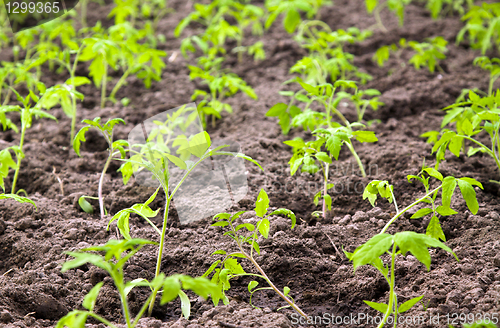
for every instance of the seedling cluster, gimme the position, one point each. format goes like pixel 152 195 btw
pixel 326 100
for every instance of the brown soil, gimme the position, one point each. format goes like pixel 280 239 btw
pixel 34 292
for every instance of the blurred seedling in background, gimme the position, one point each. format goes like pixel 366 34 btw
pixel 117 147
pixel 117 254
pixel 491 65
pixel 482 27
pixel 30 109
pixel 229 268
pixel 327 59
pixel 291 10
pixel 221 86
pixel 427 54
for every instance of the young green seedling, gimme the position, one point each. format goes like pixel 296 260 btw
pixel 471 118
pixel 114 148
pixel 483 26
pixel 17 198
pixel 117 253
pixel 323 121
pixel 291 10
pixel 428 54
pixel 155 156
pixel 229 268
pixel 493 66
pixel 307 154
pixel 28 112
pixel 327 58
pixel 447 187
pixel 220 84
pixel 395 6
pixel 398 244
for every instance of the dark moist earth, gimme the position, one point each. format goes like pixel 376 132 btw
pixel 308 259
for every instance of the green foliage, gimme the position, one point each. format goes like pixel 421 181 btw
pixel 471 120
pixel 156 155
pixel 327 58
pixel 427 54
pixel 447 185
pixel 482 27
pixel 491 65
pixel 291 10
pixel 17 198
pixel 114 148
pixel 116 255
pixel 215 16
pixel 120 47
pixel 221 85
pixel 371 253
pixel 245 236
pixel 31 108
pixel 328 132
pixel 481 324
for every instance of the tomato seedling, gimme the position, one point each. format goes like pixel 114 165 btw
pixel 28 111
pixel 221 85
pixel 327 58
pixel 229 268
pixel 491 65
pixel 291 10
pixel 117 254
pixel 479 115
pixel 114 148
pixel 323 121
pixel 427 54
pixel 401 243
pixel 447 187
pixel 483 26
pixel 155 155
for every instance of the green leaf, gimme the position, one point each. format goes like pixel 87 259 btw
pixel 277 110
pixel 469 194
pixel 421 213
pixel 171 289
pixel 262 204
pixel 328 201
pixel 17 198
pixel 449 185
pixel 85 205
pixel 233 266
pixel 291 21
pixel 264 228
pixel 445 211
pixel 177 161
pixel 90 299
pixel 409 304
pixel 371 250
pixel 185 304
pixel 434 173
pixel 467 127
pixel 381 307
pixel 365 136
pixel 252 284
pixel 79 138
pixel 434 229
pixel 288 213
pixel 78 81
pixel 322 156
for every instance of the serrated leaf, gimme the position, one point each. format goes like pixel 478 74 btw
pixel 469 194
pixel 434 229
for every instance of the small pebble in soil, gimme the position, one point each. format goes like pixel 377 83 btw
pixel 5 317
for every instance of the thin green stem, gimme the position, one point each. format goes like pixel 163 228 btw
pixel 101 182
pixel 19 156
pixel 257 266
pixel 119 84
pixel 325 189
pixel 407 208
pixel 358 160
pixel 160 250
pixel 391 292
pixel 144 307
pixel 103 85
